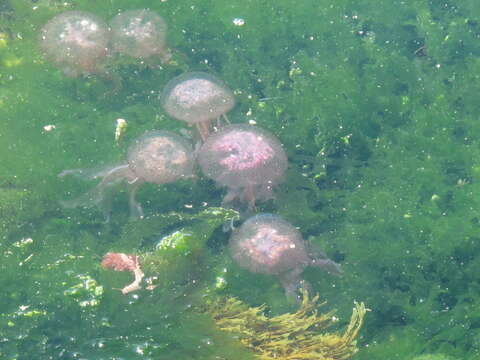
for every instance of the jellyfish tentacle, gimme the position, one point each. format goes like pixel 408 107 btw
pixel 136 210
pixel 203 128
pixel 327 265
pixel 250 197
pixel 226 119
pixel 292 282
pixel 99 195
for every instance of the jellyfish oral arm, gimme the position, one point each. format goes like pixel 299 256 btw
pixel 136 210
pixel 327 265
pixel 292 282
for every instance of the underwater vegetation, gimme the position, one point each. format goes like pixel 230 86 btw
pixel 376 105
pixel 299 335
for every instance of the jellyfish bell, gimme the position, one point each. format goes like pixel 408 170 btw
pixel 198 98
pixel 161 157
pixel 158 157
pixel 140 34
pixel 268 244
pixel 246 159
pixel 76 41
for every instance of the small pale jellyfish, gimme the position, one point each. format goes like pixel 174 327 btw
pixel 248 160
pixel 140 34
pixel 268 244
pixel 158 157
pixel 198 98
pixel 77 42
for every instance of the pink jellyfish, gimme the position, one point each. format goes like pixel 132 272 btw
pixel 268 244
pixel 249 161
pixel 158 157
pixel 76 41
pixel 140 34
pixel 198 98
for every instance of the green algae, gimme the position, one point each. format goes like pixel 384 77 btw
pixel 299 335
pixel 377 106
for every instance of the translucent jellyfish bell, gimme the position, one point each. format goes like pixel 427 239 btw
pixel 198 98
pixel 246 159
pixel 268 244
pixel 76 41
pixel 140 34
pixel 158 157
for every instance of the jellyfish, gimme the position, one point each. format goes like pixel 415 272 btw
pixel 77 42
pixel 140 34
pixel 268 244
pixel 158 157
pixel 246 159
pixel 198 98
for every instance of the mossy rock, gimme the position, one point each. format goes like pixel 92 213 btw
pixel 433 357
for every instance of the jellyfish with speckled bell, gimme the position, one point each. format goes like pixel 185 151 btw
pixel 248 160
pixel 77 42
pixel 140 34
pixel 199 99
pixel 269 244
pixel 158 157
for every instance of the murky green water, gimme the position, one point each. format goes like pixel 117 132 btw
pixel 377 106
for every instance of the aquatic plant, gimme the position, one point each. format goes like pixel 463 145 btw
pixel 433 357
pixel 291 336
pixel 171 258
pixel 377 106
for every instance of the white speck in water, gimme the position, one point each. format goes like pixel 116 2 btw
pixel 238 22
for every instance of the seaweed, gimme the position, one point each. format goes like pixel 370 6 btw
pixel 298 335
pixel 377 107
pixel 172 248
